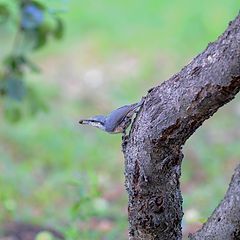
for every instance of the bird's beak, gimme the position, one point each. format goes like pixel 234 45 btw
pixel 87 121
pixel 84 121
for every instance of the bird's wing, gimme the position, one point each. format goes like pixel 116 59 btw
pixel 119 115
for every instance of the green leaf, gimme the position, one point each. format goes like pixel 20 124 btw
pixel 11 62
pixel 59 29
pixel 41 36
pixel 14 63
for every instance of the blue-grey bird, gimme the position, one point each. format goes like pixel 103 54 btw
pixel 116 121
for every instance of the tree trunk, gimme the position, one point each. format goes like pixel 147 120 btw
pixel 225 220
pixel 169 116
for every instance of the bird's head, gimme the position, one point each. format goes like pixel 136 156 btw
pixel 95 121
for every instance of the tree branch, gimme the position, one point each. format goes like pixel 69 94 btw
pixel 169 116
pixel 225 220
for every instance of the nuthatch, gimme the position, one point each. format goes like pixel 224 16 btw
pixel 116 121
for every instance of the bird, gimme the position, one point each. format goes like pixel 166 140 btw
pixel 116 121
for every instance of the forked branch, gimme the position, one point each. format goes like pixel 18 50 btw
pixel 169 116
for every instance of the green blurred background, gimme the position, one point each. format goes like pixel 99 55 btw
pixel 57 173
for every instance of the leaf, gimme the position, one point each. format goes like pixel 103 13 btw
pixel 11 62
pixel 14 62
pixel 41 36
pixel 15 88
pixel 59 29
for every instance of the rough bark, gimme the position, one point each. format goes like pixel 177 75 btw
pixel 169 116
pixel 224 224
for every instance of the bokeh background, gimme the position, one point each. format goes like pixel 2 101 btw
pixel 59 174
